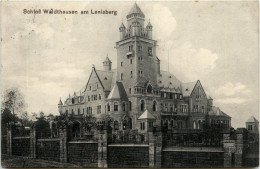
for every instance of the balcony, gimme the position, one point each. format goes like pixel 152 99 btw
pixel 130 54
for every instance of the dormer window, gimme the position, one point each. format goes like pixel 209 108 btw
pixel 105 78
pixel 187 89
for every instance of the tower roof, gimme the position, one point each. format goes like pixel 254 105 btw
pixel 149 24
pixel 107 60
pixel 146 115
pixel 118 92
pixel 252 119
pixel 135 10
pixel 60 102
pixel 122 25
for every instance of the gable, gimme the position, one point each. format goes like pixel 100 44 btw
pixel 94 82
pixel 198 90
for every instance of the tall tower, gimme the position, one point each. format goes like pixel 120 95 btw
pixel 137 63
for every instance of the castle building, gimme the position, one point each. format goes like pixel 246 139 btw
pixel 138 94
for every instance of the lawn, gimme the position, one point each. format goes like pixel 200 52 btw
pixel 24 162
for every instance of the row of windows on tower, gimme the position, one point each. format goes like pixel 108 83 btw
pixel 131 74
pixel 140 49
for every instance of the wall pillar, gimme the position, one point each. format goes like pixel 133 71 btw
pixel 33 142
pixel 227 152
pixel 158 150
pixel 9 140
pixel 151 150
pixel 102 149
pixel 63 145
pixel 241 135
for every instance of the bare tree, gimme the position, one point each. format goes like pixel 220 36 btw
pixel 14 101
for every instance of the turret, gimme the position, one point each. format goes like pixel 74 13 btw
pixel 60 105
pixel 149 29
pixel 122 31
pixel 107 64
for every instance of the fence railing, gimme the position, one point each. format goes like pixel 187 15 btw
pixel 193 138
pixel 128 137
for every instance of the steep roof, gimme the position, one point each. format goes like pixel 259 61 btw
pixel 146 115
pixel 169 82
pixel 118 92
pixel 187 88
pixel 136 10
pixel 107 59
pixel 252 119
pixel 215 111
pixel 106 78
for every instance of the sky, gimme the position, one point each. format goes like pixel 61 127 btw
pixel 49 56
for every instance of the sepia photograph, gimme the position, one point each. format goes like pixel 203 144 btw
pixel 129 84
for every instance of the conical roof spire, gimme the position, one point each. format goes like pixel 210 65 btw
pixel 107 60
pixel 60 102
pixel 135 10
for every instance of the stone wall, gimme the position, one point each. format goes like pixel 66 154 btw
pixel 21 146
pixel 48 149
pixel 127 157
pixel 83 154
pixel 172 159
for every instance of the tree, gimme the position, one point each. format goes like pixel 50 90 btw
pixel 14 101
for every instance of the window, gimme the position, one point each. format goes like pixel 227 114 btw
pixel 123 106
pixel 97 85
pixel 108 107
pixel 149 89
pixel 99 109
pixel 140 60
pixel 89 87
pixel 115 106
pixel 166 107
pixel 175 96
pixel 72 111
pixel 131 74
pixel 154 106
pixel 83 110
pixel 202 109
pixel 142 125
pixel 121 64
pixel 130 90
pixel 180 96
pixel 150 51
pixel 171 107
pixel 131 61
pixel 140 48
pixel 250 127
pixel 88 98
pixel 140 73
pixel 142 105
pixel 78 111
pixel 130 105
pixel 99 96
pixel 175 107
pixel 116 126
pixel 150 124
pixel 121 76
pixel 130 48
pixel 165 95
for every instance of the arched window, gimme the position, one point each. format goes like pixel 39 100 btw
pixel 115 106
pixel 108 107
pixel 123 106
pixel 149 89
pixel 124 124
pixel 194 124
pixel 154 105
pixel 130 106
pixel 199 124
pixel 76 129
pixel 142 106
pixel 116 127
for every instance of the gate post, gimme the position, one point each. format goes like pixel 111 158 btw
pixel 33 142
pixel 63 145
pixel 158 149
pixel 152 151
pixel 9 138
pixel 102 149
